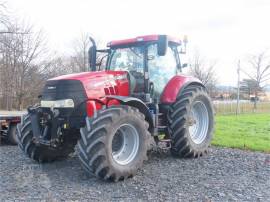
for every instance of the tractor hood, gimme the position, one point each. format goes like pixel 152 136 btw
pixel 95 84
pixel 89 75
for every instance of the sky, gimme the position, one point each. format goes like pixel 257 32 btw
pixel 221 30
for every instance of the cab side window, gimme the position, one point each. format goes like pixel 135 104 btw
pixel 161 68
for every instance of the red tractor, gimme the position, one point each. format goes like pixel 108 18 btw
pixel 114 114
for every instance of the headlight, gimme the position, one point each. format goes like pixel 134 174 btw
pixel 67 103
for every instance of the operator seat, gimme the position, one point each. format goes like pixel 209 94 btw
pixel 136 81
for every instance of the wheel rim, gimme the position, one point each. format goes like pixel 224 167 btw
pixel 125 144
pixel 199 122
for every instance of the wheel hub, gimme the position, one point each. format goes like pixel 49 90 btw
pixel 125 144
pixel 198 122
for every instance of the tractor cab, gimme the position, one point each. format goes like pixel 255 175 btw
pixel 150 62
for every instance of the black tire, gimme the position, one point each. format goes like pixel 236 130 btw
pixel 95 145
pixel 11 135
pixel 179 115
pixel 42 153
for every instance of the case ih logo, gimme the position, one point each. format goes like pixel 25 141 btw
pixel 51 87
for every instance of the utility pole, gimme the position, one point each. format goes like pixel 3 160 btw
pixel 238 88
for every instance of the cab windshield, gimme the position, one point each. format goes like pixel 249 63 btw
pixel 127 59
pixel 131 59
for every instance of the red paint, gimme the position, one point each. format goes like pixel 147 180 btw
pixel 145 38
pixel 11 119
pixel 99 84
pixel 16 120
pixel 172 88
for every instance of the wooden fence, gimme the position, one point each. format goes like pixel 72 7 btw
pixel 230 107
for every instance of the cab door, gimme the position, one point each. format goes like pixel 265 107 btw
pixel 161 69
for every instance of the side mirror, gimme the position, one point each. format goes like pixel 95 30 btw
pixel 92 55
pixel 162 45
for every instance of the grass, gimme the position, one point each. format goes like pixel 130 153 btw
pixel 245 131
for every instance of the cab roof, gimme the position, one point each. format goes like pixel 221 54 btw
pixel 138 39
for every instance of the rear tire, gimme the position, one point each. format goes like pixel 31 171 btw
pixel 98 150
pixel 191 122
pixel 42 153
pixel 12 137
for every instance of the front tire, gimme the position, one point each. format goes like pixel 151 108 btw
pixel 42 153
pixel 114 143
pixel 191 122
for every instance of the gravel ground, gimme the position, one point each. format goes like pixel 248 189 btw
pixel 222 175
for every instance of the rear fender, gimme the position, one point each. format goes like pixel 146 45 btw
pixel 175 86
pixel 137 103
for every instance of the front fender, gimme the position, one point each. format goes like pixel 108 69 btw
pixel 137 103
pixel 174 87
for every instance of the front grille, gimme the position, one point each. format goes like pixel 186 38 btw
pixel 63 89
pixel 67 89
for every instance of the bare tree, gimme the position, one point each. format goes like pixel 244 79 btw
pixel 203 70
pixel 260 72
pixel 248 87
pixel 20 50
pixel 24 66
pixel 55 66
pixel 4 18
pixel 80 57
